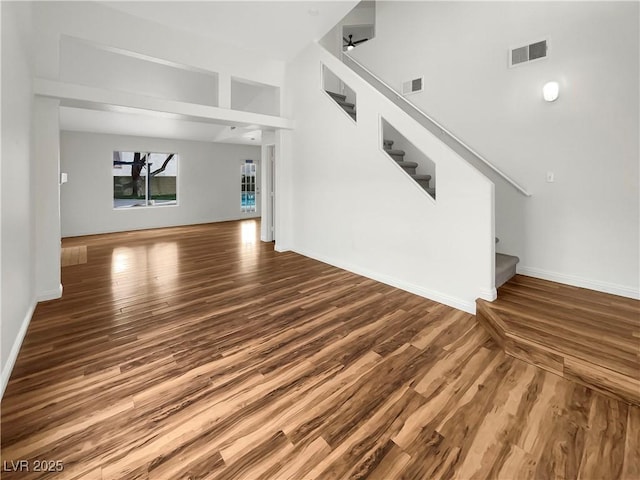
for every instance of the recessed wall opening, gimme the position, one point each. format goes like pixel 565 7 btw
pixel 354 35
pixel 248 96
pixel 339 91
pixel 412 160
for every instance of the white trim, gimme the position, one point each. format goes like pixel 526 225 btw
pixel 489 295
pixel 458 303
pixel 576 281
pixel 15 349
pixel 278 247
pixel 49 294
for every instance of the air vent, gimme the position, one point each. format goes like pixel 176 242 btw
pixel 527 53
pixel 412 86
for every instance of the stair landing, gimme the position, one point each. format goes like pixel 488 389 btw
pixel 585 336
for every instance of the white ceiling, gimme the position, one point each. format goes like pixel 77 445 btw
pixel 278 29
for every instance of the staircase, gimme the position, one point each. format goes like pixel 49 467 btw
pixel 409 167
pixel 505 268
pixel 397 155
pixel 505 264
pixel 341 100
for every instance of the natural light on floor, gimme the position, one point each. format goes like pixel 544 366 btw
pixel 248 230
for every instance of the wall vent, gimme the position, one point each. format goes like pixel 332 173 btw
pixel 412 86
pixel 527 53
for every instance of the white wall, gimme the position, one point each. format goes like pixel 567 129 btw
pixel 17 297
pixel 105 26
pixel 353 206
pixel 208 183
pixel 84 63
pixel 583 229
pixel 363 14
pixel 256 98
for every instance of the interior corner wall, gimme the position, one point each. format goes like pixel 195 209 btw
pixel 17 243
pixel 584 228
pixel 208 183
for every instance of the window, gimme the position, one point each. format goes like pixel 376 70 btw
pixel 248 187
pixel 142 179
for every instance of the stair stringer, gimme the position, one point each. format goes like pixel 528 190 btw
pixel 356 209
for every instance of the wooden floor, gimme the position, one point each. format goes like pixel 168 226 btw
pixel 199 352
pixel 582 335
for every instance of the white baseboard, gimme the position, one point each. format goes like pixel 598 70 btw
pixel 576 281
pixel 50 294
pixel 15 349
pixel 460 304
pixel 278 247
pixel 489 295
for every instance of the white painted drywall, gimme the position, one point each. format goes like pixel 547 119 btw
pixel 584 228
pixel 46 131
pixel 106 26
pixel 253 97
pixel 208 183
pixel 364 14
pixel 17 297
pixel 83 63
pixel 354 207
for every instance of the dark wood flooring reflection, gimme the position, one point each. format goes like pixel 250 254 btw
pixel 199 352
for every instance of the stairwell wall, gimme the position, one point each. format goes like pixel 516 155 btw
pixel 354 207
pixel 584 228
pixel 17 259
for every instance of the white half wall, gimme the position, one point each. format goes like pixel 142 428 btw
pixel 105 26
pixel 208 183
pixel 354 207
pixel 86 64
pixel 17 283
pixel 584 228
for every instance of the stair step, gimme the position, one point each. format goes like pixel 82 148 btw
pixel 342 103
pixel 423 180
pixel 409 167
pixel 394 152
pixel 337 96
pixel 431 191
pixel 387 144
pixel 505 268
pixel 404 164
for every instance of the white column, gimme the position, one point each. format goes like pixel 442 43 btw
pixel 46 173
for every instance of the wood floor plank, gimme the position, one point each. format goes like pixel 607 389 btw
pixel 169 359
pixel 585 336
pixel 631 463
